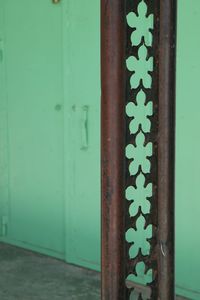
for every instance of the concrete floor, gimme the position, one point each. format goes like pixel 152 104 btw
pixel 25 275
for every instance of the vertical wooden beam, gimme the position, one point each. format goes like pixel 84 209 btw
pixel 166 148
pixel 113 147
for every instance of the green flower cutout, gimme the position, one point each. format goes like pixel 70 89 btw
pixel 139 238
pixel 139 154
pixel 139 196
pixel 141 296
pixel 141 25
pixel 141 68
pixel 140 113
pixel 141 276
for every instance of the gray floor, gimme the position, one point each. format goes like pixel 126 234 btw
pixel 25 275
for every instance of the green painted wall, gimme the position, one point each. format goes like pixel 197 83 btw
pixel 50 132
pixel 188 149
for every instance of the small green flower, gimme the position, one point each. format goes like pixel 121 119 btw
pixel 139 196
pixel 139 238
pixel 141 68
pixel 141 25
pixel 139 112
pixel 140 274
pixel 139 154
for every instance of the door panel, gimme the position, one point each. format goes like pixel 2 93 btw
pixel 34 94
pixel 82 77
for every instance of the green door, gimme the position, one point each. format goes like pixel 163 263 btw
pixel 82 125
pixel 49 106
pixel 32 58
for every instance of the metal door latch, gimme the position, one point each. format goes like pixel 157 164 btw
pixel 4 226
pixel 55 1
pixel 84 127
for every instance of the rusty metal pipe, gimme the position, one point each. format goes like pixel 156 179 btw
pixel 112 148
pixel 166 148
